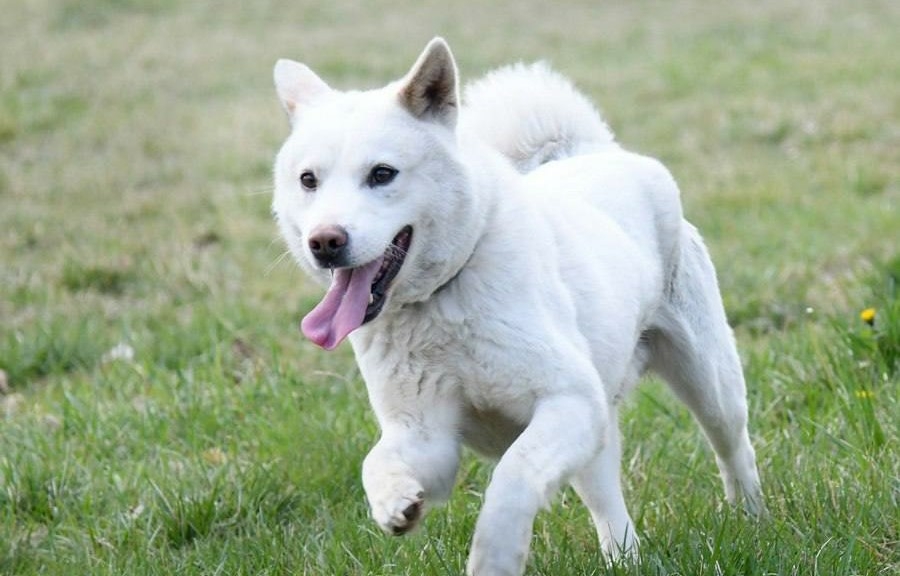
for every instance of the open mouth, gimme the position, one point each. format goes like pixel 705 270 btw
pixel 391 263
pixel 356 295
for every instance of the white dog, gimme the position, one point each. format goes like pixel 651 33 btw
pixel 505 273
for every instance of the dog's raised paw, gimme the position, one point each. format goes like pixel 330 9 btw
pixel 411 515
pixel 402 515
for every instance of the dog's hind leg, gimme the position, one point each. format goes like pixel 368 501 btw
pixel 599 486
pixel 693 349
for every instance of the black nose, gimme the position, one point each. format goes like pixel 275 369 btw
pixel 328 245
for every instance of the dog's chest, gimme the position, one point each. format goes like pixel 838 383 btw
pixel 487 409
pixel 493 386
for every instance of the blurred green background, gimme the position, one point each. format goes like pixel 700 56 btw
pixel 160 413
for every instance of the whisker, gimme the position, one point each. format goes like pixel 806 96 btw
pixel 276 239
pixel 277 262
pixel 259 191
pixel 397 251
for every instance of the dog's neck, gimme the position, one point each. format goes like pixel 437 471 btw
pixel 478 219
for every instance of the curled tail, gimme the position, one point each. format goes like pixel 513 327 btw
pixel 533 115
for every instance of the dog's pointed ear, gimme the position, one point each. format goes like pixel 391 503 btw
pixel 430 91
pixel 297 85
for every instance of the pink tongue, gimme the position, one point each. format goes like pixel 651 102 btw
pixel 343 308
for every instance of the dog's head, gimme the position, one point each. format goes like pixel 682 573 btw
pixel 369 193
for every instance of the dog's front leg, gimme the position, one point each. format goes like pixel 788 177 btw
pixel 411 465
pixel 565 432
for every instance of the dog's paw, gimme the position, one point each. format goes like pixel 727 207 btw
pixel 401 512
pixel 624 549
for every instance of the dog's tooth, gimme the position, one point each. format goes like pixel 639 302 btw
pixel 371 298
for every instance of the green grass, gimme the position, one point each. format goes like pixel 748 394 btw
pixel 135 148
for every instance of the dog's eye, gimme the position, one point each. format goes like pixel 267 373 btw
pixel 380 175
pixel 309 181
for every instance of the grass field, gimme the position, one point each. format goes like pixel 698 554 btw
pixel 161 414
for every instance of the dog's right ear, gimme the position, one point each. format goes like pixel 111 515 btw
pixel 297 85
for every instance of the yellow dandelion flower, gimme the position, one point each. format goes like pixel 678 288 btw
pixel 868 316
pixel 215 456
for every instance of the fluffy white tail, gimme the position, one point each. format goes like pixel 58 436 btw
pixel 533 115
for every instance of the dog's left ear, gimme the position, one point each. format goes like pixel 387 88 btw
pixel 430 90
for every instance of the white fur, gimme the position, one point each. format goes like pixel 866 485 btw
pixel 532 115
pixel 527 306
